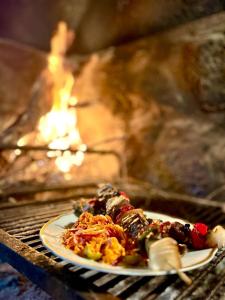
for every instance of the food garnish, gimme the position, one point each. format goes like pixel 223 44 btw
pixel 216 237
pixel 111 230
pixel 97 238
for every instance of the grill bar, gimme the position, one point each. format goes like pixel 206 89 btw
pixel 25 233
pixel 124 284
pixel 29 220
pixel 162 287
pixel 30 215
pixel 199 278
pixel 43 271
pixel 30 238
pixel 147 288
pixel 101 282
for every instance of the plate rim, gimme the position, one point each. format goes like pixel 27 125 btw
pixel 101 267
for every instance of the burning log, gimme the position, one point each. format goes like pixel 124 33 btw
pixel 86 150
pixel 58 127
pixel 137 190
pixel 27 148
pixel 55 133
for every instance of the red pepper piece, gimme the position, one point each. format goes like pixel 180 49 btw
pixel 198 236
pixel 201 228
pixel 124 195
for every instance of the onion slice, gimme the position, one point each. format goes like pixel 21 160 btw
pixel 164 255
pixel 216 237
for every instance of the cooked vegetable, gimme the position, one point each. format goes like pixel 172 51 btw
pixel 162 241
pixel 117 205
pixel 97 238
pixel 164 254
pixel 216 237
pixel 90 250
pixel 133 260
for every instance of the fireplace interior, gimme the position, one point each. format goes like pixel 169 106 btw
pixel 128 92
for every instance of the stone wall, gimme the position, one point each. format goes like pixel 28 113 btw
pixel 98 23
pixel 165 93
pixel 169 92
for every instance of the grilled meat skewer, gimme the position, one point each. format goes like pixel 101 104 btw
pixel 117 205
pixel 165 253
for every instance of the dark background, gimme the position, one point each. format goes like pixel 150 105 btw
pixel 98 23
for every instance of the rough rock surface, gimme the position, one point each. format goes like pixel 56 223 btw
pixel 169 91
pixel 165 93
pixel 98 24
pixel 19 68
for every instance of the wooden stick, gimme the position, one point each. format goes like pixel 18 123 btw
pixel 32 189
pixel 27 148
pixel 88 150
pixel 181 274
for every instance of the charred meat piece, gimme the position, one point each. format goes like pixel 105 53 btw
pixel 97 205
pixel 104 194
pixel 134 222
pixel 117 205
pixel 114 205
pixel 180 233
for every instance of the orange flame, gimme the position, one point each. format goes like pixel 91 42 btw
pixel 58 128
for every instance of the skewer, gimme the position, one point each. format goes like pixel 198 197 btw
pixel 181 274
pixel 163 252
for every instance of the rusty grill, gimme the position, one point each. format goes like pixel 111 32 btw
pixel 21 246
pixel 150 109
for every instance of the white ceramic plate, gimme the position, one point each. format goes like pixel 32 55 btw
pixel 51 236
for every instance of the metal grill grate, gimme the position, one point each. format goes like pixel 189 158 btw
pixel 22 224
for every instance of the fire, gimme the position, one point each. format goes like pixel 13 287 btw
pixel 58 128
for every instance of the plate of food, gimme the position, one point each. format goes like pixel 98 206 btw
pixel 108 234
